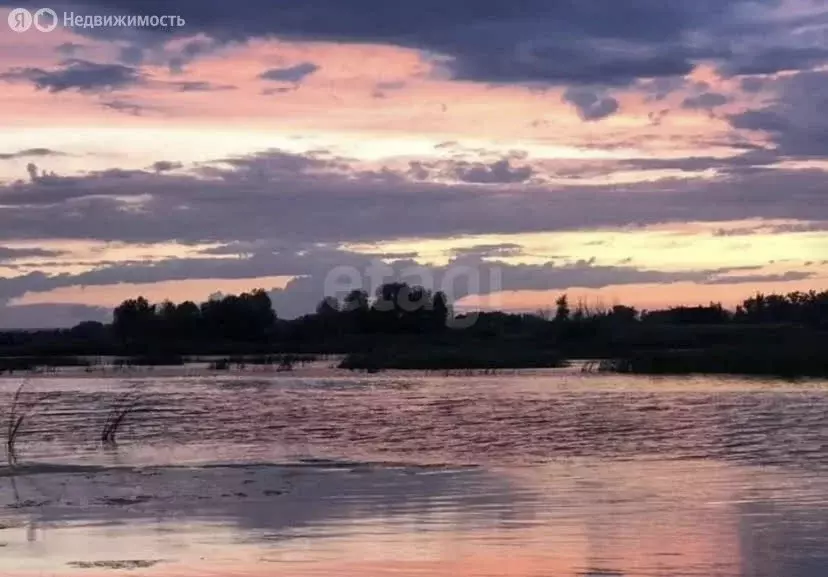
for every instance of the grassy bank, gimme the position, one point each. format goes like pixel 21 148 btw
pixel 30 364
pixel 11 365
pixel 781 361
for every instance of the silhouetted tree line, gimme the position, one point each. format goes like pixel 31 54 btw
pixel 412 314
pixel 809 308
pixel 796 308
pixel 248 317
pixel 397 308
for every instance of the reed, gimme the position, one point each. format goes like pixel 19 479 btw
pixel 124 406
pixel 282 362
pixel 14 425
pixel 151 360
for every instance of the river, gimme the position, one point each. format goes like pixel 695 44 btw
pixel 326 472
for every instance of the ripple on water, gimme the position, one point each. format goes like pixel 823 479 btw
pixel 426 419
pixel 558 474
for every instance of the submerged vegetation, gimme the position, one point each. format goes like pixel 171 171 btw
pixel 403 326
pixel 443 358
pixel 10 365
pixel 150 360
pixel 284 362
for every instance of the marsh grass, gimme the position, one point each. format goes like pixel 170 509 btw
pixel 150 360
pixel 803 360
pixel 282 362
pixel 16 417
pixel 219 365
pixel 463 359
pixel 12 365
pixel 13 426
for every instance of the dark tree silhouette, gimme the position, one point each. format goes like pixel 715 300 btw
pixel 562 309
pixel 356 300
pixel 134 318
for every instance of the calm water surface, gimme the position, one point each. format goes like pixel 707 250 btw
pixel 320 472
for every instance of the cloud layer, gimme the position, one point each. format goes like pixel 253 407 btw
pixel 583 42
pixel 266 140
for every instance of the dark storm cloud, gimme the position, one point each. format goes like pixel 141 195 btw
pixel 325 271
pixel 75 74
pixel 192 49
pixel 290 74
pixel 778 59
pixel 591 105
pixel 9 254
pixel 748 160
pixel 273 164
pixel 131 55
pixel 564 42
pixel 277 213
pixel 165 166
pixel 314 198
pixel 795 121
pixel 752 84
pixel 11 287
pixel 30 152
pixel 69 48
pixel 705 101
pixel 498 172
pixel 657 89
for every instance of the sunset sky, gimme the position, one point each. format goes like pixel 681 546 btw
pixel 650 152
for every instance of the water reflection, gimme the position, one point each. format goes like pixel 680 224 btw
pixel 527 475
pixel 573 518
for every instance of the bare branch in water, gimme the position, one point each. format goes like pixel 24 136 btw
pixel 124 406
pixel 14 425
